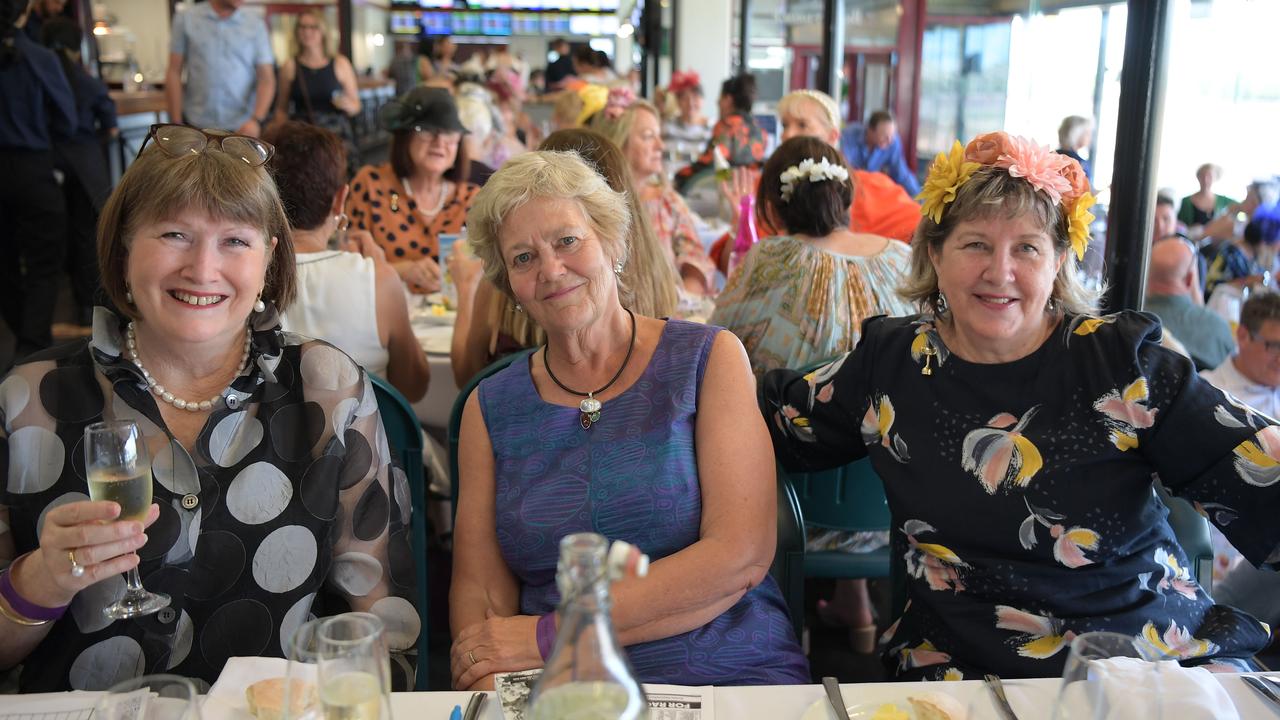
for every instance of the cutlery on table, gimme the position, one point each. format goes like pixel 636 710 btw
pixel 1265 690
pixel 1002 702
pixel 835 698
pixel 474 705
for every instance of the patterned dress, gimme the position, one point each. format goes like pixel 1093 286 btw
pixel 1021 492
pixel 633 476
pixel 739 139
pixel 793 304
pixel 288 507
pixel 673 223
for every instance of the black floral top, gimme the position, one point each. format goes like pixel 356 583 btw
pixel 289 507
pixel 1021 493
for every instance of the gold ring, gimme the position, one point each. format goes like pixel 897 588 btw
pixel 77 570
pixel 471 656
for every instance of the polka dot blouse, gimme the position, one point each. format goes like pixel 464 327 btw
pixel 288 506
pixel 378 203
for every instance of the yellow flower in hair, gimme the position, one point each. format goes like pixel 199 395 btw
pixel 1078 220
pixel 947 173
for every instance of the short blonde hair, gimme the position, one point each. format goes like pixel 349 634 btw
pixel 992 192
pixel 545 174
pixel 158 187
pixel 830 110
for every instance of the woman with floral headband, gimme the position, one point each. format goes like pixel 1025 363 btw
pixel 1018 433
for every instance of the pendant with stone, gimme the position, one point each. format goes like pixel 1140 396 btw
pixel 590 408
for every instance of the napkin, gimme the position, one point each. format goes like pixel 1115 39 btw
pixel 226 700
pixel 1133 687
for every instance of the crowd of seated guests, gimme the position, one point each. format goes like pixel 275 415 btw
pixel 967 361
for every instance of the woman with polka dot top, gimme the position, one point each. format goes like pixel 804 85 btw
pixel 275 496
pixel 422 191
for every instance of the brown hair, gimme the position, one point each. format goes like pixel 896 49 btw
pixel 157 186
pixel 648 274
pixel 1259 308
pixel 309 167
pixel 402 161
pixel 993 192
pixel 815 209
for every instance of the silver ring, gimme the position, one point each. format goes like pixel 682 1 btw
pixel 77 570
pixel 471 656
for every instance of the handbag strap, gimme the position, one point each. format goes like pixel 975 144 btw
pixel 298 79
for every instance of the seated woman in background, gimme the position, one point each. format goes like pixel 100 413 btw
pixel 803 296
pixel 357 303
pixel 735 137
pixel 259 440
pixel 1198 208
pixel 490 326
pixel 689 130
pixel 636 127
pixel 1018 434
pixel 879 206
pixel 650 423
pixel 422 191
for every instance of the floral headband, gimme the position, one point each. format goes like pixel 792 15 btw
pixel 814 171
pixel 681 81
pixel 620 98
pixel 1059 177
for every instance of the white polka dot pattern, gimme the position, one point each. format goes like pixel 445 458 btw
pixel 15 393
pixel 327 368
pixel 36 456
pixel 401 620
pixel 356 573
pixel 234 437
pixel 174 469
pixel 285 559
pixel 259 494
pixel 107 663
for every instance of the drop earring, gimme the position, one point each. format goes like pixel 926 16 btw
pixel 259 306
pixel 617 267
pixel 940 306
pixel 128 296
pixel 519 308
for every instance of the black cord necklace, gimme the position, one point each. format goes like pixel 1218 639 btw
pixel 590 406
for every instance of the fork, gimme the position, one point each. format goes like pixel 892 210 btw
pixel 1266 689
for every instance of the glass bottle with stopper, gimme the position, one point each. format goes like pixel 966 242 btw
pixel 587 676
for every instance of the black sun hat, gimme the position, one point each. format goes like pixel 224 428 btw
pixel 422 108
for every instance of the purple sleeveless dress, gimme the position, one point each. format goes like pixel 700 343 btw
pixel 633 476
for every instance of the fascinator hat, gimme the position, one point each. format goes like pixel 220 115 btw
pixel 1059 177
pixel 422 108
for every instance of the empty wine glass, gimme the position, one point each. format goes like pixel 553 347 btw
pixel 1109 676
pixel 118 466
pixel 150 697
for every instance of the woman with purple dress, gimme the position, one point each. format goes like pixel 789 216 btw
pixel 635 428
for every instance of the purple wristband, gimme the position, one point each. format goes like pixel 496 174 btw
pixel 23 606
pixel 546 635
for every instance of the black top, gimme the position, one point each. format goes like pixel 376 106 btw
pixel 1021 493
pixel 319 85
pixel 95 110
pixel 36 97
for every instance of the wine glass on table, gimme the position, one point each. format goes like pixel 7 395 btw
pixel 353 668
pixel 118 466
pixel 150 697
pixel 1109 675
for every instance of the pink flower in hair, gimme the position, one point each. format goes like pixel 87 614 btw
pixel 620 98
pixel 985 149
pixel 1038 165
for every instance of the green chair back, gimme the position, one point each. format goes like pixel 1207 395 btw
pixel 1192 532
pixel 788 559
pixel 455 416
pixel 404 437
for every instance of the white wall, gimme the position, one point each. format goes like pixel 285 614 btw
pixel 705 30
pixel 146 24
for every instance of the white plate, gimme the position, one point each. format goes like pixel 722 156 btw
pixel 435 339
pixel 821 710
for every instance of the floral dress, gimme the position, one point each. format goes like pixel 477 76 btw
pixel 1021 493
pixel 288 507
pixel 673 223
pixel 739 139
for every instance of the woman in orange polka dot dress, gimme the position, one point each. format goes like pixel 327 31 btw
pixel 422 191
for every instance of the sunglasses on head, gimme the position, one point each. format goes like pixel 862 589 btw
pixel 179 140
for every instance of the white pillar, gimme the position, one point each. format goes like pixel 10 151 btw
pixel 705 32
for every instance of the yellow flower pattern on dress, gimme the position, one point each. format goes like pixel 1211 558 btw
pixel 1069 543
pixel 1256 460
pixel 1173 577
pixel 938 565
pixel 921 655
pixel 877 427
pixel 1176 642
pixel 1039 637
pixel 1124 412
pixel 947 173
pixel 1085 325
pixel 1078 221
pixel 995 455
pixel 953 674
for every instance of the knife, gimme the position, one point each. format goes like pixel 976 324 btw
pixel 1002 702
pixel 835 698
pixel 474 706
pixel 1262 689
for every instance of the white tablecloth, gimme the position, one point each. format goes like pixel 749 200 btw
pixel 788 702
pixel 434 333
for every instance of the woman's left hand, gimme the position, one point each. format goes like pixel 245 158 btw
pixel 498 644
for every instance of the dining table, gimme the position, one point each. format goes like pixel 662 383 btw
pixel 432 324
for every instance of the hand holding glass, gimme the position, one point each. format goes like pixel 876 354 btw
pixel 118 466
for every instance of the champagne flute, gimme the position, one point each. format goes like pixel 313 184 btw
pixel 1109 675
pixel 300 699
pixel 353 668
pixel 118 466
pixel 150 697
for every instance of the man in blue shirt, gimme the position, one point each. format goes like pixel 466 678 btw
pixel 876 147
pixel 231 78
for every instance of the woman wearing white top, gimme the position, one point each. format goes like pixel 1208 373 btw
pixel 357 303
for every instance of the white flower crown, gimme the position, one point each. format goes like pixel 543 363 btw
pixel 815 171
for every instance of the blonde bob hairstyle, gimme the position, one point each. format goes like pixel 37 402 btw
pixel 546 174
pixel 159 187
pixel 992 193
pixel 830 110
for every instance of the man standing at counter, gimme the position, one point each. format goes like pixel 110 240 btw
pixel 230 68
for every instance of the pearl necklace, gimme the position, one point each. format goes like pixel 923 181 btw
pixel 444 193
pixel 155 387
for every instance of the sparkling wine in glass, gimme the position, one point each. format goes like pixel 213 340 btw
pixel 353 667
pixel 119 469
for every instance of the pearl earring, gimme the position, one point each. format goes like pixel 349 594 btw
pixel 617 268
pixel 259 306
pixel 128 296
pixel 519 308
